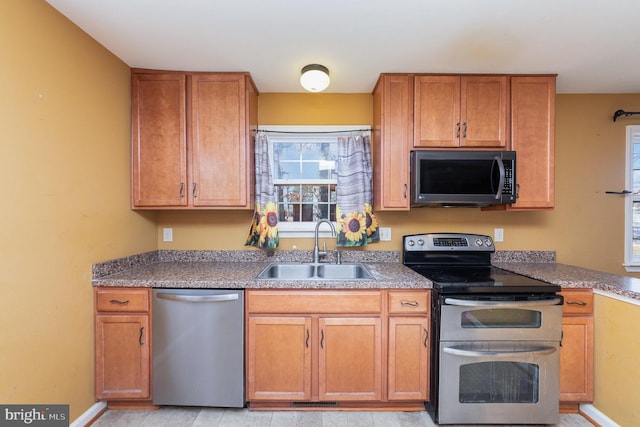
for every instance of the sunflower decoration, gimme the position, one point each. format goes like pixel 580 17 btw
pixel 269 226
pixel 352 228
pixel 372 223
pixel 254 231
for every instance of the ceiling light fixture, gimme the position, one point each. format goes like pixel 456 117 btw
pixel 315 77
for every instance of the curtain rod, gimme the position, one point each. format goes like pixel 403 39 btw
pixel 316 132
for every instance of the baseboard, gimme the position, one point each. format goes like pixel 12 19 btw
pixel 597 416
pixel 89 415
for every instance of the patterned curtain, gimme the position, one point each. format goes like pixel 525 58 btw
pixel 264 228
pixel 356 223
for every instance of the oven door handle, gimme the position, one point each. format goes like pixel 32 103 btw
pixel 528 304
pixel 473 353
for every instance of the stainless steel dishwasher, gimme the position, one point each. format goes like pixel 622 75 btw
pixel 198 347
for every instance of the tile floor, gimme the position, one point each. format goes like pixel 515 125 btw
pixel 209 417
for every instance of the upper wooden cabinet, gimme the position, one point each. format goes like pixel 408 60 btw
pixel 533 100
pixel 192 140
pixel 392 135
pixel 461 111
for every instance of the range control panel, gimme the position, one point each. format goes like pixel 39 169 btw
pixel 432 242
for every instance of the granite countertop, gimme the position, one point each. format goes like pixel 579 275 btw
pixel 569 276
pixel 238 270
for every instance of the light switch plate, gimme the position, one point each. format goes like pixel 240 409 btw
pixel 385 234
pixel 498 234
pixel 167 234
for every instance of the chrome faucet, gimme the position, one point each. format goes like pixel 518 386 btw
pixel 317 253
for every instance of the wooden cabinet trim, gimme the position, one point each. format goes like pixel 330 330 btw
pixel 405 302
pixel 310 301
pixel 122 300
pixel 577 302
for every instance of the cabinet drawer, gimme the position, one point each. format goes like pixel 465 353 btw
pixel 577 301
pixel 124 300
pixel 408 302
pixel 311 302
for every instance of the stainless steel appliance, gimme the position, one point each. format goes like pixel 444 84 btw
pixel 495 335
pixel 198 347
pixel 463 178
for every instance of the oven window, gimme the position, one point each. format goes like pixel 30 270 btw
pixel 499 382
pixel 501 318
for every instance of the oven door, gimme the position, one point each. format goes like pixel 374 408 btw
pixel 499 382
pixel 471 320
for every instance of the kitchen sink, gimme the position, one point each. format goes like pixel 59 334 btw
pixel 311 271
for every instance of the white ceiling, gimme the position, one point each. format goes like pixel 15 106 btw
pixel 593 45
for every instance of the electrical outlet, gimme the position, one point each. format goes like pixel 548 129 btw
pixel 167 234
pixel 385 234
pixel 498 234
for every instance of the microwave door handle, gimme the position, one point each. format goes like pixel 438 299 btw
pixel 498 160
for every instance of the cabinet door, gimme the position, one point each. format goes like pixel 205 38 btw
pixel 437 111
pixel 483 111
pixel 279 358
pixel 221 155
pixel 349 361
pixel 158 140
pixel 393 131
pixel 576 360
pixel 533 138
pixel 122 356
pixel 408 358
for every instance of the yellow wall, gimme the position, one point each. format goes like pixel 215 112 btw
pixel 617 372
pixel 64 155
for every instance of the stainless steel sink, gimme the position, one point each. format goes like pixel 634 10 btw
pixel 312 271
pixel 342 271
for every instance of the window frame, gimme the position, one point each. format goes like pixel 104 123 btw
pixel 631 262
pixel 306 229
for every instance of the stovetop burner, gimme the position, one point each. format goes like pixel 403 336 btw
pixel 461 264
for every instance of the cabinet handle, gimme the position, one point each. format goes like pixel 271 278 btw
pixel 140 337
pixel 307 341
pixel 181 190
pixel 458 131
pixel 464 134
pixel 405 191
pixel 322 339
pixel 193 191
pixel 115 301
pixel 426 336
pixel 561 337
pixel 579 303
pixel 410 303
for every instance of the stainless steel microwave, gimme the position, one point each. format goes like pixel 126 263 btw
pixel 462 178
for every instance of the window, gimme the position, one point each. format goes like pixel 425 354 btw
pixel 305 177
pixel 632 203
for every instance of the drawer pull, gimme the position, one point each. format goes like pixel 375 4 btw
pixel 579 303
pixel 140 337
pixel 115 301
pixel 410 303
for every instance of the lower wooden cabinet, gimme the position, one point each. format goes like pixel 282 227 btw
pixel 576 353
pixel 408 358
pixel 349 358
pixel 337 346
pixel 279 358
pixel 122 344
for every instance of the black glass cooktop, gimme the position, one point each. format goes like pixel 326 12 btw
pixel 461 280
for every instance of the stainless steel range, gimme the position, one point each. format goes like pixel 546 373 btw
pixel 495 336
